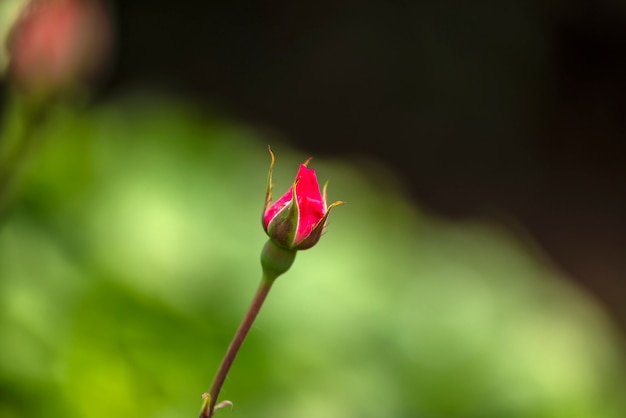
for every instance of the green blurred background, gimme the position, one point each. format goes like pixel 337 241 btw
pixel 129 253
pixel 132 251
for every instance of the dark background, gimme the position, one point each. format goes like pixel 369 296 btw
pixel 484 108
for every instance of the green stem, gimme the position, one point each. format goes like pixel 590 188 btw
pixel 275 261
pixel 235 345
pixel 15 150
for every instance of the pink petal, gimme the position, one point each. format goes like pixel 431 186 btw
pixel 310 202
pixel 275 208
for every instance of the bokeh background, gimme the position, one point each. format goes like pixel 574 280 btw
pixel 477 270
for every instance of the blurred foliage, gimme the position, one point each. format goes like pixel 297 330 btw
pixel 9 11
pixel 131 252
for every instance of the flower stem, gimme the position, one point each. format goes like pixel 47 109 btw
pixel 233 348
pixel 17 142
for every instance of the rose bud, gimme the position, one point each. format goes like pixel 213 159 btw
pixel 297 219
pixel 56 44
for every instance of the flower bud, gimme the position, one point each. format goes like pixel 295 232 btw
pixel 296 220
pixel 56 44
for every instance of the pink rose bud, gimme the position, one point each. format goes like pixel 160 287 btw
pixel 58 43
pixel 297 219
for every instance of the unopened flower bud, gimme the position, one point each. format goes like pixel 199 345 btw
pixel 57 44
pixel 297 219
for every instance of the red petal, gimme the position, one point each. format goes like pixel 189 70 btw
pixel 275 208
pixel 310 202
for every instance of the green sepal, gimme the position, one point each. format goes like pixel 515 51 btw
pixel 268 193
pixel 316 232
pixel 283 227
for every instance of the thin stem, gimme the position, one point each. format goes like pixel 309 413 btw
pixel 235 345
pixel 9 168
pixel 15 151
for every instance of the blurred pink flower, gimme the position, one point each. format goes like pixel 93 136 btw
pixel 58 43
